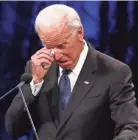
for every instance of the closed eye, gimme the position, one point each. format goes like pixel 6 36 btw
pixel 60 46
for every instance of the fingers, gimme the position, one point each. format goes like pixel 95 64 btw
pixel 41 57
pixel 44 51
pixel 45 56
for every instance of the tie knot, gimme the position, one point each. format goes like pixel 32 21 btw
pixel 67 71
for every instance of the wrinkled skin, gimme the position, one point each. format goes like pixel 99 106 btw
pixel 67 46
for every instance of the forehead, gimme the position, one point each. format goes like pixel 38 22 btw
pixel 54 36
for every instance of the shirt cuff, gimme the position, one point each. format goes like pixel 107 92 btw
pixel 36 87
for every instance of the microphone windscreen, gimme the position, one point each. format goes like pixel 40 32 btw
pixel 26 77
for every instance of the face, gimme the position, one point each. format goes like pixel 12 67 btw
pixel 67 45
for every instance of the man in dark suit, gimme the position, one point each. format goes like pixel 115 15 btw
pixel 77 92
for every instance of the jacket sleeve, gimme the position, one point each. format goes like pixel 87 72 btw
pixel 16 119
pixel 124 111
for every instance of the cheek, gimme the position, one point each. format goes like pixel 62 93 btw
pixel 71 54
pixel 75 54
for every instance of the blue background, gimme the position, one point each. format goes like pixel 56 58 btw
pixel 111 27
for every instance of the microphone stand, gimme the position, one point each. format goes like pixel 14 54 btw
pixel 29 115
pixel 24 79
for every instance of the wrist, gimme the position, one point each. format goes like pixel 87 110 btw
pixel 36 80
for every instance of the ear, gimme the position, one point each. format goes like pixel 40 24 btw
pixel 80 33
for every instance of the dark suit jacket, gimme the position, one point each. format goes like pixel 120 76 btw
pixel 103 109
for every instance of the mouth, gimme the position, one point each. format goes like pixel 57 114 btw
pixel 61 62
pixel 65 64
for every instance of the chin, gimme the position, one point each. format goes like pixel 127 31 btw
pixel 64 66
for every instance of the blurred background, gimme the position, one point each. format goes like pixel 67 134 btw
pixel 111 27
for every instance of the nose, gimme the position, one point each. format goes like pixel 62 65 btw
pixel 57 55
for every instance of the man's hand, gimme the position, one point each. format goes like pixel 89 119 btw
pixel 38 61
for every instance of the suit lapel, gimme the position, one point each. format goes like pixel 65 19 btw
pixel 83 85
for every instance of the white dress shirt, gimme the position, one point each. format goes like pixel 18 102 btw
pixel 73 76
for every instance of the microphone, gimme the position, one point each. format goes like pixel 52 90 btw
pixel 25 78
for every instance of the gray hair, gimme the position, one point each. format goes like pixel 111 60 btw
pixel 52 15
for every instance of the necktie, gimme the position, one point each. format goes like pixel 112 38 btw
pixel 64 90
